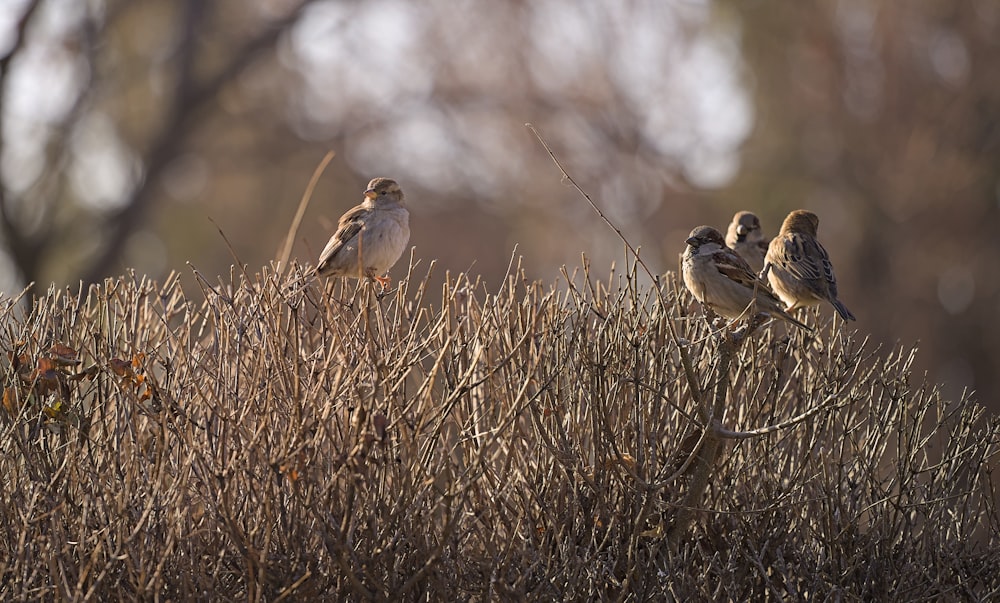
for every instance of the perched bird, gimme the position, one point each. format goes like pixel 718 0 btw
pixel 798 267
pixel 745 238
pixel 723 281
pixel 370 237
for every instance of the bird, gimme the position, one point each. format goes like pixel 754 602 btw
pixel 723 281
pixel 798 267
pixel 370 237
pixel 745 238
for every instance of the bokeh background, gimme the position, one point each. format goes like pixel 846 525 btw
pixel 132 129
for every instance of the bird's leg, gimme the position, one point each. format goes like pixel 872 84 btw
pixel 384 282
pixel 715 322
pixel 755 322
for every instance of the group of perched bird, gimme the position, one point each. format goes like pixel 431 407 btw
pixel 727 275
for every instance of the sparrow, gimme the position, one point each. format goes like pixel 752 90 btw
pixel 370 237
pixel 723 281
pixel 745 238
pixel 798 267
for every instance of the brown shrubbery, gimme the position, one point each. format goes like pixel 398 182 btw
pixel 260 440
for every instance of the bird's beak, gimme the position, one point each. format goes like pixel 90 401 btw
pixel 742 230
pixel 371 194
pixel 690 241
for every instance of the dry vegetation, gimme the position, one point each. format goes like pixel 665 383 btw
pixel 256 441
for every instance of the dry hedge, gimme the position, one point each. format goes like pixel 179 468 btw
pixel 266 441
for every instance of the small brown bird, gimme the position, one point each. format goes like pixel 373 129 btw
pixel 722 280
pixel 745 238
pixel 799 268
pixel 370 237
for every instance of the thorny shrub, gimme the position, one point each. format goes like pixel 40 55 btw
pixel 594 438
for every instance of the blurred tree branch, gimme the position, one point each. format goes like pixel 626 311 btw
pixel 22 247
pixel 191 96
pixel 29 245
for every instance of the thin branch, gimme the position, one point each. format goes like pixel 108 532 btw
pixel 692 377
pixel 286 250
pixel 827 404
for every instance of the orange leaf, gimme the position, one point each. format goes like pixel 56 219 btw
pixel 64 355
pixel 45 365
pixel 10 400
pixel 138 359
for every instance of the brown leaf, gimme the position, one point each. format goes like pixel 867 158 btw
pixel 10 401
pixel 46 382
pixel 64 355
pixel 46 365
pixel 87 373
pixel 22 364
pixel 121 367
pixel 379 421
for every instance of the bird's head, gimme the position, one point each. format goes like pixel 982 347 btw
pixel 383 190
pixel 801 220
pixel 746 222
pixel 705 235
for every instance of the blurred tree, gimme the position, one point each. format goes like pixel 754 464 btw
pixel 86 169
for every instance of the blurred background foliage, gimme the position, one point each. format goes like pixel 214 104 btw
pixel 130 126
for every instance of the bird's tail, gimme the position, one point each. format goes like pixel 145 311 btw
pixel 792 320
pixel 842 310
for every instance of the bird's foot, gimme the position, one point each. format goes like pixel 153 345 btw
pixel 384 283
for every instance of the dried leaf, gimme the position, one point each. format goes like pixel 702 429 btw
pixel 10 401
pixel 22 365
pixel 121 367
pixel 46 365
pixel 25 373
pixel 87 373
pixel 379 422
pixel 64 355
pixel 54 410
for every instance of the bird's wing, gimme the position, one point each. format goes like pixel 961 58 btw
pixel 828 276
pixel 350 225
pixel 803 258
pixel 735 268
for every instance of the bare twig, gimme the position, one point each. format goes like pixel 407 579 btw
pixel 286 250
